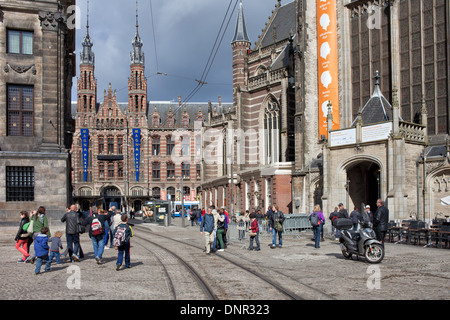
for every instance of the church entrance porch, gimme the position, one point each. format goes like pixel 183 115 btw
pixel 363 185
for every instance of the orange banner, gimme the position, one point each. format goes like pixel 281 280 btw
pixel 328 64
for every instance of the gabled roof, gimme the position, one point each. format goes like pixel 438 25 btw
pixel 377 109
pixel 281 27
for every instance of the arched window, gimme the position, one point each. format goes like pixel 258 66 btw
pixel 272 131
pixel 156 193
pixel 171 193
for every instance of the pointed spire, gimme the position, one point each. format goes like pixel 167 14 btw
pixel 137 56
pixel 87 56
pixel 241 30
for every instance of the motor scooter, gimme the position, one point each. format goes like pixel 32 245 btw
pixel 361 243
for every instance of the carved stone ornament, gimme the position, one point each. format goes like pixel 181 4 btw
pixel 20 69
pixel 50 20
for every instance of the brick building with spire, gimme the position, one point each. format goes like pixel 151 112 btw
pixel 126 153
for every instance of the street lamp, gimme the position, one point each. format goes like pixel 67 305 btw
pixel 183 223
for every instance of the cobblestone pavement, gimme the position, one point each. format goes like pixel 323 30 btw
pixel 407 272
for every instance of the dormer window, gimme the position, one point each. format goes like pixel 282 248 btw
pixel 170 122
pixel 155 121
pixel 185 122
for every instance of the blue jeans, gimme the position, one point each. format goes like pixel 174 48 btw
pixel 274 237
pixel 56 255
pixel 121 250
pixel 317 230
pixel 73 244
pixel 106 237
pixel 99 246
pixel 39 262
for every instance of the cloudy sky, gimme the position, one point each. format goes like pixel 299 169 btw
pixel 184 33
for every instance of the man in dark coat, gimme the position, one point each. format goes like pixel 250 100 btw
pixel 381 220
pixel 72 232
pixel 276 216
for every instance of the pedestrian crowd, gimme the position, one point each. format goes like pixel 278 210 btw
pixel 214 223
pixel 102 226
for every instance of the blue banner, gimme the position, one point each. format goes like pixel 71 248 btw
pixel 137 150
pixel 85 148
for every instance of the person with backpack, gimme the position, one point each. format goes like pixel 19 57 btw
pixel 317 219
pixel 97 231
pixel 122 236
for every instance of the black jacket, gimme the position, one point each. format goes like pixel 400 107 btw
pixel 342 214
pixel 71 219
pixel 381 219
pixel 276 215
pixel 22 234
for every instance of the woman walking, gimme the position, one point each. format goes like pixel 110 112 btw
pixel 318 228
pixel 22 237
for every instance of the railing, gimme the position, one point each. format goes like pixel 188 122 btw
pixel 293 225
pixel 265 79
pixel 412 131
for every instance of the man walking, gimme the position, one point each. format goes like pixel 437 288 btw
pixel 72 232
pixel 381 220
pixel 207 226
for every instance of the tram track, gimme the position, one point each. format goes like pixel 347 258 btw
pixel 251 269
pixel 199 280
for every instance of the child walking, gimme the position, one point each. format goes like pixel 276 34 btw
pixel 55 246
pixel 22 237
pixel 41 249
pixel 122 236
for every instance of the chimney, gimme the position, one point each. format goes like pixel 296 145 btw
pixel 179 101
pixel 220 101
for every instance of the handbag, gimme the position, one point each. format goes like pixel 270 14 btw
pixel 30 226
pixel 278 226
pixel 252 234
